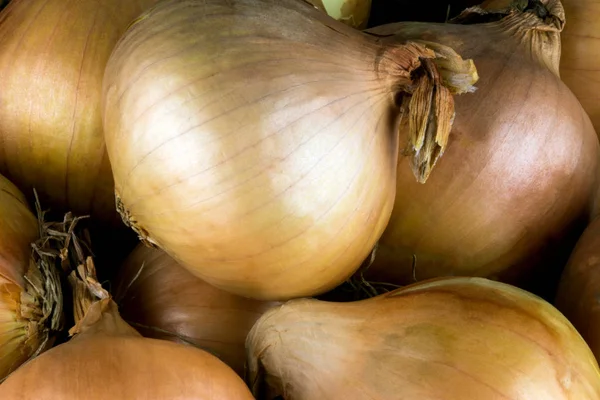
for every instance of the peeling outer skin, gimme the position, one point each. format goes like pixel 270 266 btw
pixel 551 11
pixel 543 16
pixel 429 110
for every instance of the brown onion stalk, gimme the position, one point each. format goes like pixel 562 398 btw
pixel 451 339
pixel 162 300
pixel 52 59
pixel 514 187
pixel 256 141
pixel 580 61
pixel 108 359
pixel 579 288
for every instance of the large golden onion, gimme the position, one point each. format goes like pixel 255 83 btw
pixel 256 141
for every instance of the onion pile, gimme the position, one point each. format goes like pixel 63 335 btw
pixel 107 359
pixel 580 61
pixel 579 288
pixel 351 12
pixel 162 300
pixel 516 183
pixel 277 186
pixel 52 59
pixel 30 294
pixel 451 339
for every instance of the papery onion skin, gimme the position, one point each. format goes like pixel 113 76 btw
pixel 579 287
pixel 52 59
pixel 255 141
pixel 517 180
pixel 351 12
pixel 162 300
pixel 112 361
pixel 580 61
pixel 451 339
pixel 30 314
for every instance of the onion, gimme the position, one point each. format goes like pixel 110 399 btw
pixel 516 183
pixel 580 61
pixel 164 301
pixel 256 141
pixel 579 288
pixel 30 295
pixel 451 339
pixel 52 59
pixel 351 12
pixel 108 359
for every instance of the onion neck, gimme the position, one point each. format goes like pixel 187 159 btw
pixel 536 23
pixel 41 300
pixel 424 77
pixel 94 310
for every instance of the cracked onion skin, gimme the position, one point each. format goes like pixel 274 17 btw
pixel 256 141
pixel 579 290
pixel 513 191
pixel 448 338
pixel 52 59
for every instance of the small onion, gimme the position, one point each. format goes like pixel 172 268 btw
pixel 52 59
pixel 579 290
pixel 108 359
pixel 515 186
pixel 30 297
pixel 162 300
pixel 451 339
pixel 256 141
pixel 580 61
pixel 351 12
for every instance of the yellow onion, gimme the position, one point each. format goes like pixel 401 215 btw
pixel 580 61
pixel 52 59
pixel 108 359
pixel 351 12
pixel 256 141
pixel 579 288
pixel 30 295
pixel 162 300
pixel 450 338
pixel 515 186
